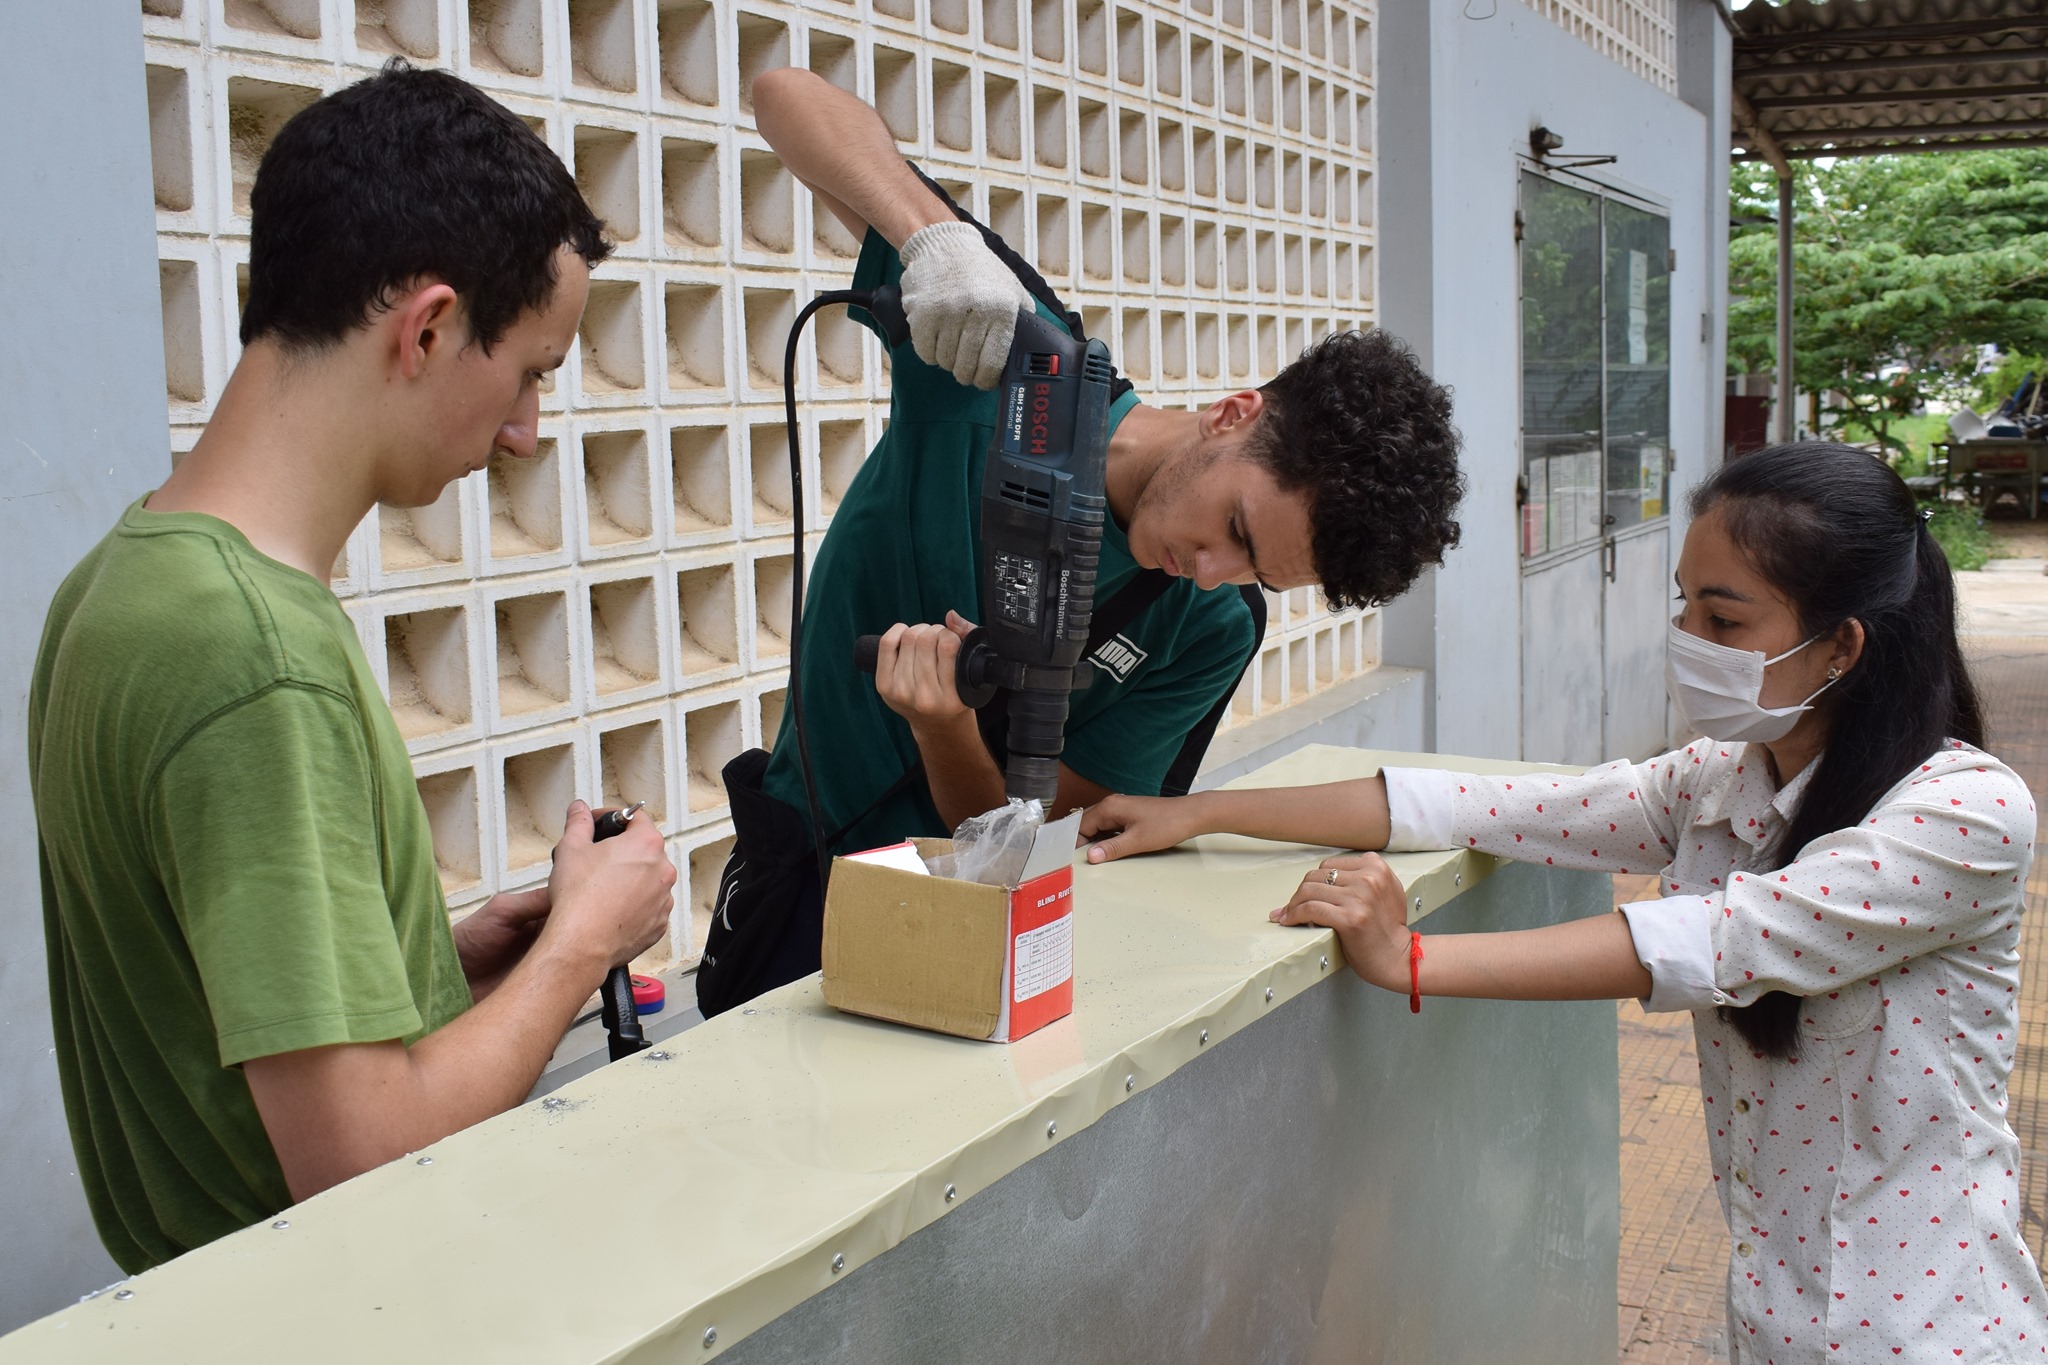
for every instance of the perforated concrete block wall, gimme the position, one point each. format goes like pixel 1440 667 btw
pixel 1640 34
pixel 609 620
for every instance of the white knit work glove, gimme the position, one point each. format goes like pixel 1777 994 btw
pixel 961 302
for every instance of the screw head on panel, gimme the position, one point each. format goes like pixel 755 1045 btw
pixel 838 1262
pixel 281 1224
pixel 124 1294
pixel 710 1337
pixel 952 1193
pixel 424 1161
pixel 1457 879
pixel 1269 995
pixel 1418 905
pixel 1130 1083
pixel 657 1056
pixel 1052 1130
pixel 1205 1036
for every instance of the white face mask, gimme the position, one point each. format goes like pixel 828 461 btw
pixel 1715 689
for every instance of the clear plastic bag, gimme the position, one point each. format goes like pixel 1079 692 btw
pixel 991 848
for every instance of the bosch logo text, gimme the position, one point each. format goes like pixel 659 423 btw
pixel 1040 419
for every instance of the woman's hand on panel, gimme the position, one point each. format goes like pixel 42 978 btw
pixel 1359 896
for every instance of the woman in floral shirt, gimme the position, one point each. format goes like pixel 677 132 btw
pixel 1842 871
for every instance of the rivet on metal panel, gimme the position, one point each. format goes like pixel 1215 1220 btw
pixel 1323 962
pixel 1052 1130
pixel 951 1194
pixel 710 1337
pixel 424 1161
pixel 281 1224
pixel 1130 1084
pixel 1269 995
pixel 124 1294
pixel 1418 905
pixel 657 1056
pixel 1457 879
pixel 838 1262
pixel 1205 1036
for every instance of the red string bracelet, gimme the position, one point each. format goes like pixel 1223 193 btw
pixel 1414 973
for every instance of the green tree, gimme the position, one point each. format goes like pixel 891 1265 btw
pixel 1902 267
pixel 2002 380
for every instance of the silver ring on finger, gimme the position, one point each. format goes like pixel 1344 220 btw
pixel 1330 877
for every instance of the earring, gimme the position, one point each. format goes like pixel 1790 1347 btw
pixel 1834 673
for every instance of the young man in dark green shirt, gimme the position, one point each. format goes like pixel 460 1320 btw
pixel 255 987
pixel 1342 472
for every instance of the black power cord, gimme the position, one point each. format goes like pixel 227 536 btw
pixel 856 298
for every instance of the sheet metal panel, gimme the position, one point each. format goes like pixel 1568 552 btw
pixel 1339 1182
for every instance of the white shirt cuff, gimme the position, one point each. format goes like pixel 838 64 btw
pixel 1674 941
pixel 1422 808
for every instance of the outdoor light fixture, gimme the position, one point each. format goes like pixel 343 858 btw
pixel 1542 142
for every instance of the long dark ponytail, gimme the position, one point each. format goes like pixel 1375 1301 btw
pixel 1838 533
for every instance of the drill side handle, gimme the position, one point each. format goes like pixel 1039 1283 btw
pixel 623 1034
pixel 973 670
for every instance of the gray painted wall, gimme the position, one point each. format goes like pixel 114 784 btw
pixel 1340 1182
pixel 1406 175
pixel 1705 81
pixel 1454 112
pixel 82 370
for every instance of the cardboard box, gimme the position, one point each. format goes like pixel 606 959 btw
pixel 986 962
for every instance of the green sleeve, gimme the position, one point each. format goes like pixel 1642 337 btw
pixel 1129 746
pixel 265 828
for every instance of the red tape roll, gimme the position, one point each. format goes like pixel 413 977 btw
pixel 649 995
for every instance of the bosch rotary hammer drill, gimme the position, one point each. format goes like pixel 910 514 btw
pixel 1042 506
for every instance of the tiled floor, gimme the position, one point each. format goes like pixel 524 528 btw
pixel 1673 1242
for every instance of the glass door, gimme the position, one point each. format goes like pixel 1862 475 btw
pixel 1636 594
pixel 1562 354
pixel 1594 486
pixel 1638 366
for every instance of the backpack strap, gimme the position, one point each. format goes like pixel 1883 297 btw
pixel 1123 607
pixel 1180 778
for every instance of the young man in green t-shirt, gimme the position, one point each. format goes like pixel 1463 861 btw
pixel 1342 471
pixel 255 987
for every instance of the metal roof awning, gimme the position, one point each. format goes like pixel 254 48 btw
pixel 1869 77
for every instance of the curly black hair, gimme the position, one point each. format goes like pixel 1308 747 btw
pixel 1357 424
pixel 408 174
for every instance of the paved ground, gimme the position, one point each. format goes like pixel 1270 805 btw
pixel 2018 536
pixel 1674 1245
